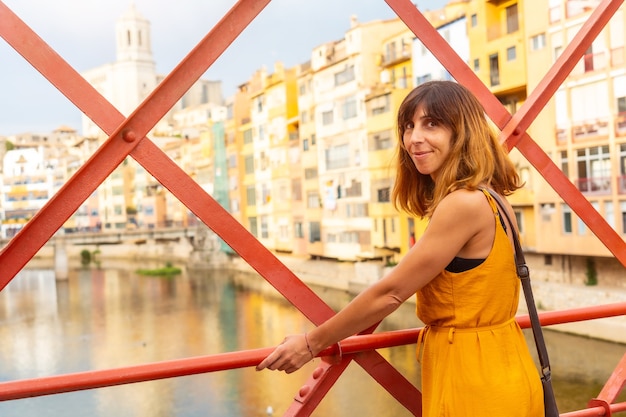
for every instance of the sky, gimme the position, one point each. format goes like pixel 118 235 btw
pixel 83 33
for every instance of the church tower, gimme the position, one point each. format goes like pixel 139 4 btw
pixel 133 37
pixel 134 73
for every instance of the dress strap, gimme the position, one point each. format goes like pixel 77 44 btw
pixel 494 207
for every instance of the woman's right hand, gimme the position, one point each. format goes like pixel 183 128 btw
pixel 293 353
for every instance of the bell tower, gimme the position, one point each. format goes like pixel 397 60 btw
pixel 133 37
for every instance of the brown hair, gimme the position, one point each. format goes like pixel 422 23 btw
pixel 476 155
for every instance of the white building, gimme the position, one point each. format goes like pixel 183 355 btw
pixel 126 83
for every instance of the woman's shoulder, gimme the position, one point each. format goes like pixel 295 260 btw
pixel 464 199
pixel 467 207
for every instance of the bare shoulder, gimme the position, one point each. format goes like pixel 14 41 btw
pixel 464 222
pixel 464 203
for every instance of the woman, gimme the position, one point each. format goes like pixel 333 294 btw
pixel 475 361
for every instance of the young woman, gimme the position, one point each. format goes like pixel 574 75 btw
pixel 475 361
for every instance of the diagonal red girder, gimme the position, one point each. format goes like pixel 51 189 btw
pixel 514 127
pixel 125 136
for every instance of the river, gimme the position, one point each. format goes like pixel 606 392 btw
pixel 113 317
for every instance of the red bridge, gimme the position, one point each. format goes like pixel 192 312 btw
pixel 127 137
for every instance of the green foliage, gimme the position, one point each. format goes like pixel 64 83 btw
pixel 85 257
pixel 167 271
pixel 591 272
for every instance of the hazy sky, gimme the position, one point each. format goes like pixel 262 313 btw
pixel 83 33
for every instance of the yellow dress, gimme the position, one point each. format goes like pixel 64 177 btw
pixel 475 360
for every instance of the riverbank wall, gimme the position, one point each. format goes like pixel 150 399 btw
pixel 552 291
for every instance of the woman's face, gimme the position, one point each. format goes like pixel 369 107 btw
pixel 427 142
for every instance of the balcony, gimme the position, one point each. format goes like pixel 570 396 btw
pixel 594 186
pixel 590 128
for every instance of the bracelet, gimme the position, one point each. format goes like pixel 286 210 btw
pixel 339 351
pixel 306 339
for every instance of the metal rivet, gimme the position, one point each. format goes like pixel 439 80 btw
pixel 304 390
pixel 129 136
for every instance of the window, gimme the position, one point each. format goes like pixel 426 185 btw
pixel 310 173
pixel 252 226
pixel 609 214
pixel 259 104
pixel 312 200
pixel 622 169
pixel 564 163
pixel 327 117
pixel 512 22
pixel 423 79
pixel 251 195
pixel 247 136
pixel 547 259
pixel 344 76
pixel 511 54
pixel 567 218
pixel 381 140
pixel 494 70
pixel 349 108
pixel 474 20
pixel 476 65
pixel 298 230
pixel 594 169
pixel 538 42
pixel 305 145
pixel 264 227
pixel 315 232
pixel 296 189
pixel 383 195
pixel 621 104
pixel 354 190
pixel 337 157
pixel 379 105
pixel 249 164
pixel 622 208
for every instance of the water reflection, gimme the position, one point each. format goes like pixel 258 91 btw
pixel 101 319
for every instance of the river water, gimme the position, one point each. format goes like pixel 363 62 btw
pixel 107 318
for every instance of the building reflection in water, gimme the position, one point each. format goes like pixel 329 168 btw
pixel 100 319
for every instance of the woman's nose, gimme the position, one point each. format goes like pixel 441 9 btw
pixel 416 136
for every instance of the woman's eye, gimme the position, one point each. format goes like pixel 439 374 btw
pixel 409 125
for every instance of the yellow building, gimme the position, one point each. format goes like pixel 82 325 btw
pixel 393 232
pixel 498 33
pixel 343 73
pixel 582 130
pixel 308 231
pixel 238 116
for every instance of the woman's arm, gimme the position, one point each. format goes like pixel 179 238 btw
pixel 457 221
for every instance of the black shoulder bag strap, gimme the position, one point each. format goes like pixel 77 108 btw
pixel 524 274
